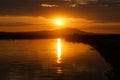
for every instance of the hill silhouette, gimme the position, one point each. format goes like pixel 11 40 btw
pixel 42 34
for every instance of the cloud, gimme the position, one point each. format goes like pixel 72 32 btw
pixel 59 7
pixel 17 24
pixel 48 5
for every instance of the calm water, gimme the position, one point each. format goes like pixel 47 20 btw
pixel 50 59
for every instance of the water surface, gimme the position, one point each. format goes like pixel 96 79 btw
pixel 50 59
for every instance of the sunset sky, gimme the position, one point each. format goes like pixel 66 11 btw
pixel 99 16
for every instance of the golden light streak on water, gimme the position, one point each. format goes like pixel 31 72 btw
pixel 58 50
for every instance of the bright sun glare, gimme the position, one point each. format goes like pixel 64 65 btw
pixel 59 50
pixel 59 22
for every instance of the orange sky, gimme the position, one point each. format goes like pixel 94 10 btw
pixel 27 23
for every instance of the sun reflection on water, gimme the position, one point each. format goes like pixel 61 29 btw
pixel 58 50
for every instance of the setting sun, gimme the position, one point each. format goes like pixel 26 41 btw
pixel 59 22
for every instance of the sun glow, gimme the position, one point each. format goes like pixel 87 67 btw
pixel 59 50
pixel 59 22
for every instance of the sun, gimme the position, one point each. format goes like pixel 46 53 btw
pixel 59 22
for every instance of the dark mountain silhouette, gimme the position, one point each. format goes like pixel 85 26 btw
pixel 42 34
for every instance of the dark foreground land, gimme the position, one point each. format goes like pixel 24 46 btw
pixel 108 45
pixel 109 48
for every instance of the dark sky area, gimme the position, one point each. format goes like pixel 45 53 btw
pixel 100 10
